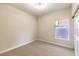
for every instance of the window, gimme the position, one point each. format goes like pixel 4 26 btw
pixel 62 29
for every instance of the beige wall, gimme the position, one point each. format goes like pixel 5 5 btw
pixel 16 27
pixel 47 26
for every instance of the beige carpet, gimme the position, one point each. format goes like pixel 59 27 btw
pixel 39 48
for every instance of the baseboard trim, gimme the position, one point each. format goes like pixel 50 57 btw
pixel 56 44
pixel 12 48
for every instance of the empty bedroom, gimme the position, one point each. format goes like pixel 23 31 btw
pixel 37 29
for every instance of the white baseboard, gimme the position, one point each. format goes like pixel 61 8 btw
pixel 56 44
pixel 12 48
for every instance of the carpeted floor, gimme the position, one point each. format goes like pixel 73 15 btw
pixel 39 48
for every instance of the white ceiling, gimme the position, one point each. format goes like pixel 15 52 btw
pixel 49 8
